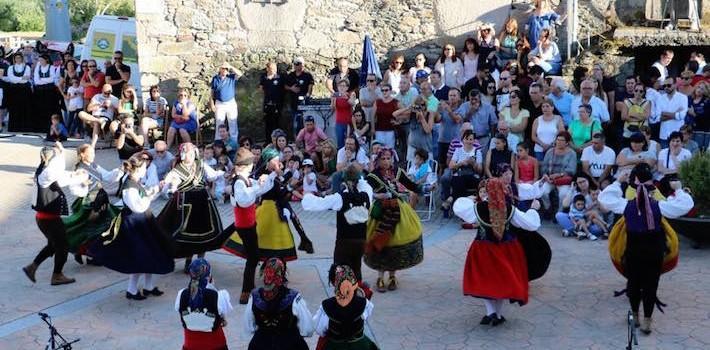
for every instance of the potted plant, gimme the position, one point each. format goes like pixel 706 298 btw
pixel 695 176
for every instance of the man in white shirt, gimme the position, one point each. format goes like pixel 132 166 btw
pixel 351 153
pixel 102 107
pixel 600 110
pixel 672 106
pixel 597 159
pixel 662 64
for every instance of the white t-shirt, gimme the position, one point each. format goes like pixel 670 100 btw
pixel 311 187
pixel 668 162
pixel 597 161
pixel 460 155
pixel 102 111
pixel 360 157
pixel 76 99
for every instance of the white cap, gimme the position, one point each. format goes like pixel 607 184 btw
pixel 308 161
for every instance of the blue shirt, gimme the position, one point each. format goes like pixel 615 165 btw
pixel 223 90
pixel 449 128
pixel 563 105
pixel 481 119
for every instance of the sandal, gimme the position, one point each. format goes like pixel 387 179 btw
pixel 381 285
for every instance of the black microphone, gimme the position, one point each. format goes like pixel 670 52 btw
pixel 43 315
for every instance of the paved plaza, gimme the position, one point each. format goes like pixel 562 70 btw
pixel 571 307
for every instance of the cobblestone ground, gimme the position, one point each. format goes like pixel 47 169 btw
pixel 571 307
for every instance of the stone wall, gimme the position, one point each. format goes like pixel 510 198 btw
pixel 182 41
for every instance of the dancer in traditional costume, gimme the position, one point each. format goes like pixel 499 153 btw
pixel 202 310
pixel 352 204
pixel 642 244
pixel 191 216
pixel 340 320
pixel 496 266
pixel 92 212
pixel 51 203
pixel 277 316
pixel 245 191
pixel 394 231
pixel 135 244
pixel 17 98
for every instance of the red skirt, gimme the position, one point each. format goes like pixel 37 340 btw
pixel 204 340
pixel 496 270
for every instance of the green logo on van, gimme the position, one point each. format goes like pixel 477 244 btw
pixel 103 44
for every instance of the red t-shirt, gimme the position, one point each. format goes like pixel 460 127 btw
pixel 384 114
pixel 343 110
pixel 91 90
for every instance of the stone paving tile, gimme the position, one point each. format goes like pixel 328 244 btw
pixel 571 307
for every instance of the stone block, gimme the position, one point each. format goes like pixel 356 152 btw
pixel 177 48
pixel 286 16
pixel 148 80
pixel 192 18
pixel 348 38
pixel 162 64
pixel 314 39
pixel 258 39
pixel 455 17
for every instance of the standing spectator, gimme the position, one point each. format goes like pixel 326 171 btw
pixel 673 107
pixel 419 64
pixel 100 111
pixel 162 159
pixel 597 160
pixel 450 123
pixel 360 128
pixel 684 86
pixel 342 72
pixel 508 39
pixel 341 103
pixel 688 142
pixel 92 81
pixel 583 129
pixel 542 17
pixel 311 136
pixel 700 58
pixel 608 86
pixel 440 90
pixel 545 130
pixel 67 72
pixel 635 111
pixel 406 97
pixel 662 64
pixel 46 98
pixel 622 94
pixel 559 164
pixel 450 66
pixel 394 73
pixel 299 85
pixel 75 103
pixel 223 102
pixel 499 154
pixel 546 54
pixel 421 122
pixel 271 84
pixel 488 46
pixel 637 152
pixel 561 99
pixel 481 116
pixel 154 109
pixel 599 111
pixel 184 118
pixel 432 105
pixel 699 111
pixel 118 74
pixel 469 56
pixel 479 82
pixel 384 108
pixel 368 95
pixel 533 103
pixel 652 84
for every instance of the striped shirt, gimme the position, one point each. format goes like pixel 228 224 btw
pixel 152 106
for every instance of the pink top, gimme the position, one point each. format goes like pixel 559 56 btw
pixel 311 139
pixel 526 169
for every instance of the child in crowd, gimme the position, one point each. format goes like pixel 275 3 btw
pixel 230 145
pixel 360 128
pixel 220 190
pixel 599 215
pixel 292 167
pixel 374 150
pixel 208 156
pixel 421 173
pixel 219 150
pixel 75 96
pixel 578 216
pixel 526 167
pixel 310 179
pixel 57 131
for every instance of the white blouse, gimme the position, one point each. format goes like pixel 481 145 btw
pixel 527 220
pixel 673 207
pixel 54 171
pixel 132 198
pixel 106 178
pixel 224 302
pixel 10 76
pixel 311 202
pixel 44 70
pixel 298 308
pixel 244 196
pixel 321 319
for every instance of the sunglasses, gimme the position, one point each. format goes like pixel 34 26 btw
pixel 92 66
pixel 371 80
pixel 667 85
pixel 503 78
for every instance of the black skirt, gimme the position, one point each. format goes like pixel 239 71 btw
pixel 17 99
pixel 537 252
pixel 46 101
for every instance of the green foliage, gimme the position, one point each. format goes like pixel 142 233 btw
pixel 695 174
pixel 25 16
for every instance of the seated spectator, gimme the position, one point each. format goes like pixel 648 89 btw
pixel 359 128
pixel 368 95
pixel 526 166
pixel 220 149
pixel 350 153
pixel 246 142
pixel 100 112
pixel 128 141
pixel 208 156
pixel 597 160
pixel 516 116
pixel 653 145
pixel 341 103
pixel 162 159
pixel 310 178
pixel 500 153
pixel 561 98
pixel 326 161
pixel 509 36
pixel 422 175
pixel 465 169
pixel 545 129
pixel 559 164
pixel 128 103
pixel 511 138
pixel 310 136
pixel 581 186
pixel 699 114
pixel 154 110
pixel 57 130
pixel 669 160
pixel 184 118
pixel 75 104
pixel 636 153
pixel 583 128
pixel 150 179
pixel 546 55
pixel 230 144
pixel 688 142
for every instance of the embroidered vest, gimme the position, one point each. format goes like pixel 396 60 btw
pixel 206 319
pixel 345 323
pixel 245 217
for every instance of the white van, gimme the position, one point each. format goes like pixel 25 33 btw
pixel 110 33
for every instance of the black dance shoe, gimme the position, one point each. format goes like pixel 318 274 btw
pixel 488 319
pixel 136 296
pixel 498 320
pixel 79 259
pixel 154 292
pixel 306 246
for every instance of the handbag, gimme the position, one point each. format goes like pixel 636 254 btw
pixel 562 181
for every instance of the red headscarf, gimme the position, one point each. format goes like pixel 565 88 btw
pixel 497 208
